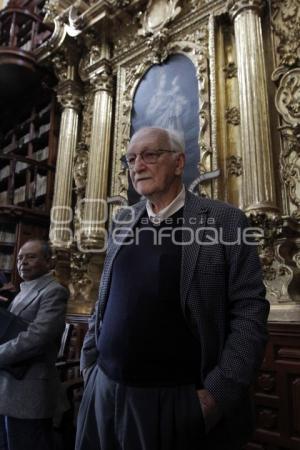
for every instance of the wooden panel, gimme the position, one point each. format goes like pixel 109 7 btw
pixel 79 329
pixel 295 391
pixel 277 391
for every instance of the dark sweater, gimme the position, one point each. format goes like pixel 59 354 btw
pixel 144 338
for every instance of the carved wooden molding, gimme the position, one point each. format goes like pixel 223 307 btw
pixel 230 70
pixel 285 22
pixel 69 94
pixel 287 97
pixel 232 115
pixel 157 15
pixel 194 44
pixel 234 165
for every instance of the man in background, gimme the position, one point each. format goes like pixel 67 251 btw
pixel 179 329
pixel 27 405
pixel 7 290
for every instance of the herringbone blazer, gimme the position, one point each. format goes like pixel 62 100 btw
pixel 222 298
pixel 34 396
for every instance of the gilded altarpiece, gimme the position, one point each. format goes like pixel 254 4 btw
pixel 247 63
pixel 246 60
pixel 191 40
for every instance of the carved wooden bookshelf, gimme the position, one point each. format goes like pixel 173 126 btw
pixel 27 168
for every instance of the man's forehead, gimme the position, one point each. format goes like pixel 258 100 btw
pixel 148 139
pixel 31 247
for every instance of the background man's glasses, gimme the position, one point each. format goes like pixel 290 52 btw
pixel 148 156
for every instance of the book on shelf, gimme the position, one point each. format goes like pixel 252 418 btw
pixel 21 166
pixel 44 129
pixel 4 173
pixel 19 194
pixel 3 198
pixel 40 188
pixel 26 46
pixel 6 261
pixel 41 155
pixel 44 111
pixel 41 185
pixel 8 148
pixel 7 236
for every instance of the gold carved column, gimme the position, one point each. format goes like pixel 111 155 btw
pixel 69 96
pixel 95 210
pixel 258 181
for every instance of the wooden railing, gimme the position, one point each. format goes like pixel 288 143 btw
pixel 22 30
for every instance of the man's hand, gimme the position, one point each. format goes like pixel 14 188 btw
pixel 211 412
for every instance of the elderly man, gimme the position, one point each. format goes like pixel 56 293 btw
pixel 179 329
pixel 27 405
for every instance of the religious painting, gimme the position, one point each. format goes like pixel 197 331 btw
pixel 167 96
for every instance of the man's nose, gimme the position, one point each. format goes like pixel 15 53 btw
pixel 22 261
pixel 139 163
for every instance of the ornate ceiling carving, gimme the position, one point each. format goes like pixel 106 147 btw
pixel 157 15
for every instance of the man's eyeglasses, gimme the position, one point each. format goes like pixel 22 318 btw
pixel 148 156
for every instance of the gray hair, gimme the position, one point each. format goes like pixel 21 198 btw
pixel 175 138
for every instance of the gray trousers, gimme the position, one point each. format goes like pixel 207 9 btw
pixel 25 434
pixel 114 416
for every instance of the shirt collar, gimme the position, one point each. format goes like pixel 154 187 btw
pixel 25 285
pixel 169 210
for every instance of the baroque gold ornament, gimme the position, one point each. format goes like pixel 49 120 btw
pixel 287 98
pixel 157 15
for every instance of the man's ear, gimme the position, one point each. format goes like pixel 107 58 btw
pixel 180 162
pixel 50 263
